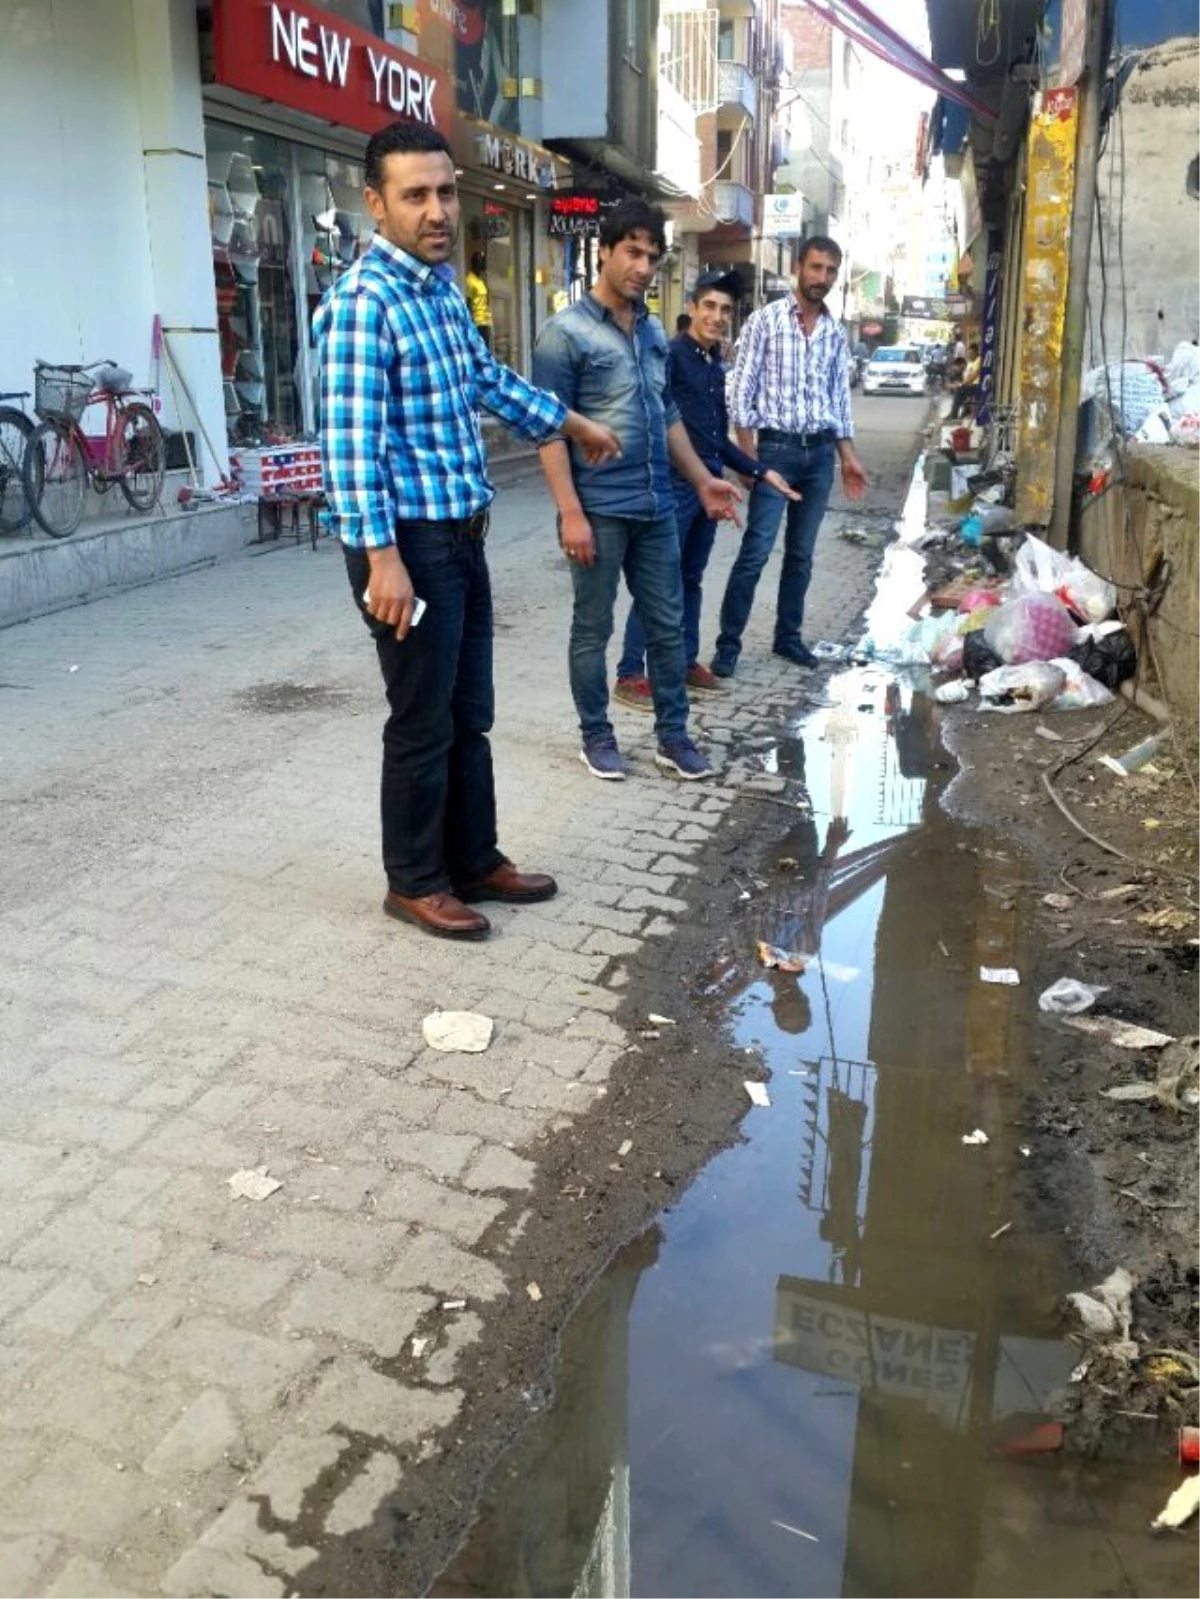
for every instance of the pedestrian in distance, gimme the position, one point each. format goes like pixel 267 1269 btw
pixel 791 409
pixel 403 371
pixel 697 379
pixel 967 392
pixel 479 296
pixel 607 357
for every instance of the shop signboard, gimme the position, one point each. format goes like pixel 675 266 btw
pixel 299 55
pixel 783 216
pixel 1049 195
pixel 990 347
pixel 921 308
pixel 576 214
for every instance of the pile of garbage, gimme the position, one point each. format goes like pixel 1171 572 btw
pixel 1154 401
pixel 1046 637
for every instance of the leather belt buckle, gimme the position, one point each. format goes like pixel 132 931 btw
pixel 477 525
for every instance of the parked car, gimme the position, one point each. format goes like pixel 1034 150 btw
pixel 898 369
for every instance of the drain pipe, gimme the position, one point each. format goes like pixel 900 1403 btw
pixel 1087 155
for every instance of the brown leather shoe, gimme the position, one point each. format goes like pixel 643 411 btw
pixel 509 886
pixel 440 914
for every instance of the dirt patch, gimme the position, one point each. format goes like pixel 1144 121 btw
pixel 278 699
pixel 1117 1179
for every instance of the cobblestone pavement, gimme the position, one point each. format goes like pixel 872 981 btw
pixel 198 980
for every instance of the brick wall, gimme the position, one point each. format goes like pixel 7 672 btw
pixel 812 36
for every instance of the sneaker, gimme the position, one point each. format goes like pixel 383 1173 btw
pixel 701 681
pixel 724 666
pixel 603 759
pixel 798 654
pixel 680 755
pixel 634 692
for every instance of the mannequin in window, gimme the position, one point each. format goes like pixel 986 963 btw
pixel 479 299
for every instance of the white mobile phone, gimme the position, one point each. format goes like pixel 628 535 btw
pixel 419 606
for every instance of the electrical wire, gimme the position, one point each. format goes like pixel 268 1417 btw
pixel 987 24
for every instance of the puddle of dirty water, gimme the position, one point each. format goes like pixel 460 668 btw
pixel 828 1368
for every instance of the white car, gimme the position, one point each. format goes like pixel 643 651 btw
pixel 898 369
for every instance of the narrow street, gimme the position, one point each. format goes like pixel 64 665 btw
pixel 200 983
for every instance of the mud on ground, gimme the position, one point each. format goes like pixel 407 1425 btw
pixel 1118 1180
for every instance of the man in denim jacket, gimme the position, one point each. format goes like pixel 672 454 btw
pixel 606 357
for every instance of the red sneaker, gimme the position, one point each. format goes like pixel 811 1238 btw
pixel 701 681
pixel 634 692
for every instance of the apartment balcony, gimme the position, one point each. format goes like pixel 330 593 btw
pixel 736 88
pixel 733 202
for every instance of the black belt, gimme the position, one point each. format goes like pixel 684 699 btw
pixel 471 527
pixel 806 441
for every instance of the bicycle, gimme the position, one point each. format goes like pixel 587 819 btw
pixel 62 461
pixel 15 431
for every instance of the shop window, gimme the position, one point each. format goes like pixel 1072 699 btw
pixel 491 239
pixel 249 196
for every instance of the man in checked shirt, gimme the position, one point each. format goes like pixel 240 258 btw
pixel 791 387
pixel 402 372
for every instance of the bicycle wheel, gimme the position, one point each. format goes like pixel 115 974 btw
pixel 56 476
pixel 141 456
pixel 15 428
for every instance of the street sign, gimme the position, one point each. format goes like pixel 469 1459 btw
pixel 950 309
pixel 783 216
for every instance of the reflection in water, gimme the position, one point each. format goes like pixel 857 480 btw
pixel 814 1375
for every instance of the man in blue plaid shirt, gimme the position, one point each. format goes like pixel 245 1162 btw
pixel 403 371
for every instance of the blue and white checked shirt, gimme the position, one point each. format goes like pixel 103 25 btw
pixel 782 379
pixel 403 372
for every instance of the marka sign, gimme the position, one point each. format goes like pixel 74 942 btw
pixel 305 58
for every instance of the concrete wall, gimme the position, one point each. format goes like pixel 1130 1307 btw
pixel 105 191
pixel 575 70
pixel 1162 500
pixel 1142 176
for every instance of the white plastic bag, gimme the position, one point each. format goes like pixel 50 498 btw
pixel 1030 627
pixel 1038 569
pixel 1029 687
pixel 1068 997
pixel 1080 692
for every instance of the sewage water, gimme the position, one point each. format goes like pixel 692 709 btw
pixel 828 1368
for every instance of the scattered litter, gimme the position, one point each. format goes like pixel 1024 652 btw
pixel 453 1304
pixel 534 1292
pixel 796 1532
pixel 758 1094
pixel 770 761
pixel 788 863
pixel 72 668
pixel 1068 997
pixel 253 1183
pixel 1150 823
pixel 1025 1150
pixel 660 1021
pixel 147 1279
pixel 941 944
pixel 419 1346
pixel 1058 902
pixel 1189 1445
pixel 1046 1439
pixel 976 1139
pixel 1179 1508
pixel 779 959
pixel 825 651
pixel 1130 1092
pixel 1107 1309
pixel 1048 733
pixel 1028 687
pixel 625 1147
pixel 649 1032
pixel 1178 1082
pixel 461 1032
pixel 1171 920
pixel 1008 976
pixel 957 692
pixel 1000 1232
pixel 1126 1035
pixel 1136 758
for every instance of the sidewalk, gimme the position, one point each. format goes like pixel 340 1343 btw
pixel 199 980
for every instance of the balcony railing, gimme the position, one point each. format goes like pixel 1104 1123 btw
pixel 733 202
pixel 736 87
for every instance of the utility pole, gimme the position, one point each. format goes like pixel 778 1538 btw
pixel 1087 153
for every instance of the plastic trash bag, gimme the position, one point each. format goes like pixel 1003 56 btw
pixel 978 655
pixel 1108 657
pixel 1028 687
pixel 1030 627
pixel 1039 569
pixel 1080 692
pixel 1068 997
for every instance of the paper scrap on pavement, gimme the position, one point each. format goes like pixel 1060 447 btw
pixel 534 1292
pixel 1131 1091
pixel 1006 975
pixel 253 1183
pixel 457 1032
pixel 1180 1507
pixel 977 1138
pixel 758 1094
pixel 1127 1035
pixel 796 1532
pixel 660 1021
pixel 625 1147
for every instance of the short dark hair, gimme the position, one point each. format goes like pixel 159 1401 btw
pixel 401 138
pixel 630 217
pixel 682 322
pixel 820 242
pixel 479 263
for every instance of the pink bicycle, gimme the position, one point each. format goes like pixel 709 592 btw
pixel 62 460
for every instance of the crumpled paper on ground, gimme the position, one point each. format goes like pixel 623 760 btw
pixel 457 1032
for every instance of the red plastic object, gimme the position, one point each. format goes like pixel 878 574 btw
pixel 1189 1445
pixel 978 600
pixel 960 440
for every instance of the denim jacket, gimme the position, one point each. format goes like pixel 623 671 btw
pixel 594 367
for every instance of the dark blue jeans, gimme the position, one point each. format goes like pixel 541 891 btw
pixel 810 470
pixel 696 530
pixel 647 552
pixel 437 796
